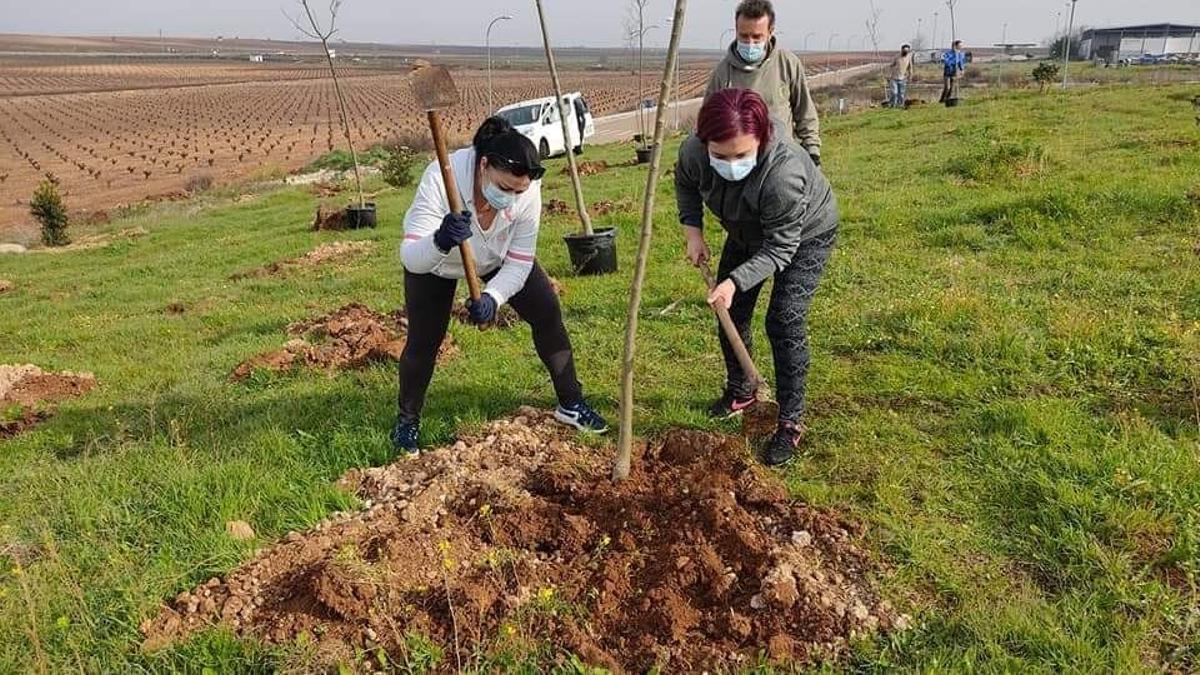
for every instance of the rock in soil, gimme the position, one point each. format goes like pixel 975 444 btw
pixel 332 252
pixel 516 534
pixel 28 395
pixel 350 337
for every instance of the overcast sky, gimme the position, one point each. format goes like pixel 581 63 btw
pixel 576 22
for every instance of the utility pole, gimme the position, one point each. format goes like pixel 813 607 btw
pixel 1067 51
pixel 487 38
pixel 936 44
pixel 953 24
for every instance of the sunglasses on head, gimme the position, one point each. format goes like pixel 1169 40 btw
pixel 534 172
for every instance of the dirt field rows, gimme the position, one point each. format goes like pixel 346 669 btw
pixel 161 126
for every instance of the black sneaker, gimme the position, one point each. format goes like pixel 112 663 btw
pixel 783 445
pixel 730 405
pixel 405 437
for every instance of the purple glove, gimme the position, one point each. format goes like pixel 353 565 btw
pixel 455 229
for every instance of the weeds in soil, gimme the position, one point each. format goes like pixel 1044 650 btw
pixel 1003 386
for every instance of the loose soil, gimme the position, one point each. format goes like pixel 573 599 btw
pixel 330 219
pixel 28 395
pixel 5 285
pixel 516 535
pixel 607 206
pixel 507 316
pixel 590 168
pixel 332 252
pixel 556 207
pixel 350 337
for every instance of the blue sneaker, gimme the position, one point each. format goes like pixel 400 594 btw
pixel 404 437
pixel 581 416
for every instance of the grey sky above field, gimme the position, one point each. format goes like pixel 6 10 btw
pixel 596 23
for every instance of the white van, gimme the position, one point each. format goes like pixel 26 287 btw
pixel 538 120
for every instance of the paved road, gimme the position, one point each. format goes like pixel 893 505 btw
pixel 623 126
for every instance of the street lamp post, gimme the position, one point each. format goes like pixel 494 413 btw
pixel 1067 51
pixel 849 48
pixel 487 38
pixel 936 44
pixel 807 38
pixel 724 42
pixel 829 52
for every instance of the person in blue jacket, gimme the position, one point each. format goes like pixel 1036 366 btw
pixel 954 62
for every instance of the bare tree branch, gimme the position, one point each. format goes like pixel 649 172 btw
pixel 296 24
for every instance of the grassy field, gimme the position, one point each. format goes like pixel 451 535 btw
pixel 1005 387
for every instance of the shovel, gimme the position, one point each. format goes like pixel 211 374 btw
pixel 761 418
pixel 435 91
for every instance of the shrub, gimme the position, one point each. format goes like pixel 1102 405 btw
pixel 199 183
pixel 48 208
pixel 398 166
pixel 1045 74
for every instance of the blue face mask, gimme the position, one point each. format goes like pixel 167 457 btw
pixel 733 171
pixel 499 199
pixel 752 52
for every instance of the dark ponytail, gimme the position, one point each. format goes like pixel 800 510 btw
pixel 507 149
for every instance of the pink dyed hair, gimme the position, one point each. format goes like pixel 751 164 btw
pixel 730 112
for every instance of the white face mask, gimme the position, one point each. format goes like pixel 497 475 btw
pixel 735 170
pixel 752 52
pixel 497 197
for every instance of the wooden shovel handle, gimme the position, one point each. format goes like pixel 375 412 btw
pixel 456 206
pixel 731 333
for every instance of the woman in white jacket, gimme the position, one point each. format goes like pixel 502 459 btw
pixel 499 178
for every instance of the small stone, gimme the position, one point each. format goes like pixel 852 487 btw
pixel 682 562
pixel 859 611
pixel 212 583
pixel 903 622
pixel 239 530
pixel 801 538
pixel 371 634
pixel 757 602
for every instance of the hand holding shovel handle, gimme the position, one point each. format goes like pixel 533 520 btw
pixel 731 333
pixel 435 90
pixel 456 206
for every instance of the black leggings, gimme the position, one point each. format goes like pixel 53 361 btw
pixel 787 320
pixel 428 300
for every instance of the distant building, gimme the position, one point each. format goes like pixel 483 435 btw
pixel 256 58
pixel 1128 42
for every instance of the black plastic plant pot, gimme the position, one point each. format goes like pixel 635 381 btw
pixel 643 154
pixel 593 254
pixel 358 217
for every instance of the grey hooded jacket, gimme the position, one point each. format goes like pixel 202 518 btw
pixel 785 201
pixel 779 79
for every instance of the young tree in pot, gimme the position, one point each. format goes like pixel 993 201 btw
pixel 361 214
pixel 592 251
pixel 637 28
pixel 625 440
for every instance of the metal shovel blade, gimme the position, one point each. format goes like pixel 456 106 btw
pixel 434 88
pixel 761 419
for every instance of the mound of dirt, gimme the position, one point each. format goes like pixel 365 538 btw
pixel 350 337
pixel 590 168
pixel 607 206
pixel 556 207
pixel 330 219
pixel 332 252
pixel 5 285
pixel 698 561
pixel 28 395
pixel 97 240
pixel 507 316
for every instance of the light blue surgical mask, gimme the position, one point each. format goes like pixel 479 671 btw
pixel 499 199
pixel 752 52
pixel 733 171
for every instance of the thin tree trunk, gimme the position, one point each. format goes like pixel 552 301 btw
pixel 337 90
pixel 576 185
pixel 625 440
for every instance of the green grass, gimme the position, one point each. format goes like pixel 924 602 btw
pixel 1006 360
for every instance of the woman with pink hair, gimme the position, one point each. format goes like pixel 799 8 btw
pixel 780 217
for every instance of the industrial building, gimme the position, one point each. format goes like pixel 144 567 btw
pixel 1131 42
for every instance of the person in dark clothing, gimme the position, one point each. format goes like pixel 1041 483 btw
pixel 781 219
pixel 499 176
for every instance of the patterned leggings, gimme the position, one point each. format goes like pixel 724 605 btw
pixel 787 317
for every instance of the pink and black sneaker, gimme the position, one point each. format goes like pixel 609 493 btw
pixel 783 445
pixel 730 405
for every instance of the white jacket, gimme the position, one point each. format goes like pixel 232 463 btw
pixel 510 245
